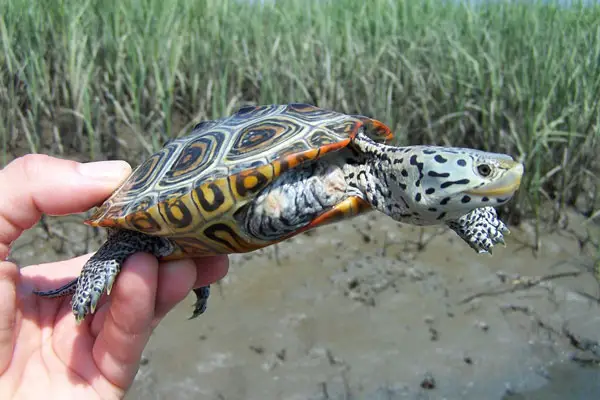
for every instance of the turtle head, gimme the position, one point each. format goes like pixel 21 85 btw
pixel 433 185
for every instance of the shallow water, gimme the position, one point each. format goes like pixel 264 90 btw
pixel 357 311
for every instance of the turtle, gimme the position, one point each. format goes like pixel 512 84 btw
pixel 267 173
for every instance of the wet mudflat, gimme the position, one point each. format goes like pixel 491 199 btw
pixel 370 309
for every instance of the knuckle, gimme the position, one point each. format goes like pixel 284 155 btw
pixel 29 166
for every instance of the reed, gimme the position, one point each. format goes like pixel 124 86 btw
pixel 116 78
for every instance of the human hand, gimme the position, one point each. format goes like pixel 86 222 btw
pixel 43 352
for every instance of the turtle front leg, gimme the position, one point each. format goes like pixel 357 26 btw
pixel 100 271
pixel 481 229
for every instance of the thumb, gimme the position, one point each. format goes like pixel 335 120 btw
pixel 8 312
pixel 37 184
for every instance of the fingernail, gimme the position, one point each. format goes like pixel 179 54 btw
pixel 110 170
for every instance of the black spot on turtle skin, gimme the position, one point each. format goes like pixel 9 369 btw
pixel 442 215
pixel 404 173
pixel 445 201
pixel 465 199
pixel 430 191
pixel 438 174
pixel 501 200
pixel 432 209
pixel 398 161
pixel 458 182
pixel 440 159
pixel 418 197
pixel 414 161
pixel 351 175
pixel 402 185
pixel 429 151
pixel 485 199
pixel 461 162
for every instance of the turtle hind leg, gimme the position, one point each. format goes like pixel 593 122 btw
pixel 202 294
pixel 100 271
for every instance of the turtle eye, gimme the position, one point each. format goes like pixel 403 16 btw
pixel 484 170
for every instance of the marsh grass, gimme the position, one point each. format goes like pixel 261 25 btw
pixel 90 77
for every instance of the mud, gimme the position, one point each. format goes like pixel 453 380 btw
pixel 371 309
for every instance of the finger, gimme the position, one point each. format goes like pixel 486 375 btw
pixel 177 278
pixel 128 323
pixel 9 275
pixel 212 271
pixel 51 275
pixel 42 184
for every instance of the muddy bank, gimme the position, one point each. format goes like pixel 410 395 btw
pixel 370 309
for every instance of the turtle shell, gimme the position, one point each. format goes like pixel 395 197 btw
pixel 190 189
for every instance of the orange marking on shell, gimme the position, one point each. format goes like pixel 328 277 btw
pixel 296 159
pixel 249 182
pixel 376 129
pixel 144 221
pixel 293 160
pixel 105 223
pixel 335 146
pixel 348 208
pixel 190 247
pixel 97 215
pixel 382 129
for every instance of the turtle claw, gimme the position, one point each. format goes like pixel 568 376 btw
pixel 109 284
pixel 97 276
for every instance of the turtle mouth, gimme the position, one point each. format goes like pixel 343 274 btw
pixel 506 185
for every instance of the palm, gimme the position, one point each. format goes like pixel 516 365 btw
pixel 100 356
pixel 51 358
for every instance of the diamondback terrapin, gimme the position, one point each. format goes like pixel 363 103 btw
pixel 267 173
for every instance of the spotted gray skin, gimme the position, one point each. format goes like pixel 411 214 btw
pixel 419 185
pixel 100 272
pixel 481 229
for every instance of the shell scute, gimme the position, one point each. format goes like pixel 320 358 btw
pixel 191 189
